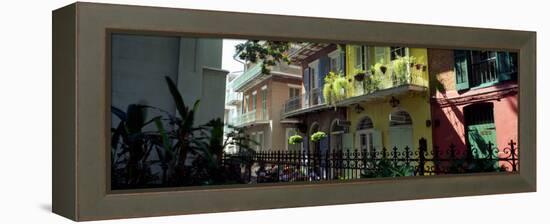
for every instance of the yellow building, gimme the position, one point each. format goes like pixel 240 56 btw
pixel 388 102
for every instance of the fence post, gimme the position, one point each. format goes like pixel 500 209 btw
pixel 513 152
pixel 423 148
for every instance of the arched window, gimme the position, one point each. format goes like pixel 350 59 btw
pixel 400 117
pixel 312 129
pixel 401 132
pixel 365 134
pixel 336 135
pixel 365 123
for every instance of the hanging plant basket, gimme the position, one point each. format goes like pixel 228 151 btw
pixel 359 76
pixel 412 64
pixel 418 66
pixel 424 68
pixel 383 69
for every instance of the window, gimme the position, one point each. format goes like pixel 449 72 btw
pixel 360 57
pixel 293 92
pixel 264 104
pixel 380 54
pixel 260 140
pixel 483 68
pixel 254 101
pixel 366 136
pixel 401 133
pixel 314 76
pixel 400 117
pixel 246 103
pixel 336 135
pixel 336 62
pixel 397 52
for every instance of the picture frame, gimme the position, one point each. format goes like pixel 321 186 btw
pixel 81 94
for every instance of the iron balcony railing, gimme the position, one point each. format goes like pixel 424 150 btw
pixel 247 76
pixel 233 98
pixel 304 101
pixel 392 77
pixel 251 117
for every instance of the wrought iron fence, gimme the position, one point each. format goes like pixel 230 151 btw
pixel 289 166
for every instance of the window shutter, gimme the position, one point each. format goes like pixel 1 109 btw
pixel 306 79
pixel 506 67
pixel 324 69
pixel 306 143
pixel 347 141
pixel 343 61
pixel 462 59
pixel 377 140
pixel 323 144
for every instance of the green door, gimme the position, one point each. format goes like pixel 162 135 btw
pixel 481 130
pixel 480 136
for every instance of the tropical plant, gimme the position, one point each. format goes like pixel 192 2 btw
pixel 131 147
pixel 317 136
pixel 336 88
pixel 295 139
pixel 131 158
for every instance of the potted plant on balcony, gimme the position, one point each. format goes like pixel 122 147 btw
pixel 336 87
pixel 383 69
pixel 360 75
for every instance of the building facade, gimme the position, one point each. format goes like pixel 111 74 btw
pixel 474 100
pixel 262 98
pixel 388 106
pixel 309 109
pixel 141 63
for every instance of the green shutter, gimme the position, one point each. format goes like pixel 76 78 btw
pixel 506 67
pixel 377 140
pixel 461 69
pixel 347 140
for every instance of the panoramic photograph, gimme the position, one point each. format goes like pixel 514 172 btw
pixel 188 111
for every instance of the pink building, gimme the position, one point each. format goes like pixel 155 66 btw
pixel 474 101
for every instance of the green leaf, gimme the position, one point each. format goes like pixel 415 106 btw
pixel 178 99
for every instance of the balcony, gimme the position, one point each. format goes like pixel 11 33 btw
pixel 303 103
pixel 394 81
pixel 252 117
pixel 233 98
pixel 247 77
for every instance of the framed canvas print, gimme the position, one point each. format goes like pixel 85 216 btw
pixel 201 111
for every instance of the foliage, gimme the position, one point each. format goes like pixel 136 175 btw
pixel 295 139
pixel 187 154
pixel 401 69
pixel 387 168
pixel 268 52
pixel 317 136
pixel 131 147
pixel 336 88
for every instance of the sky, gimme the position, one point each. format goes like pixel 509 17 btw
pixel 228 63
